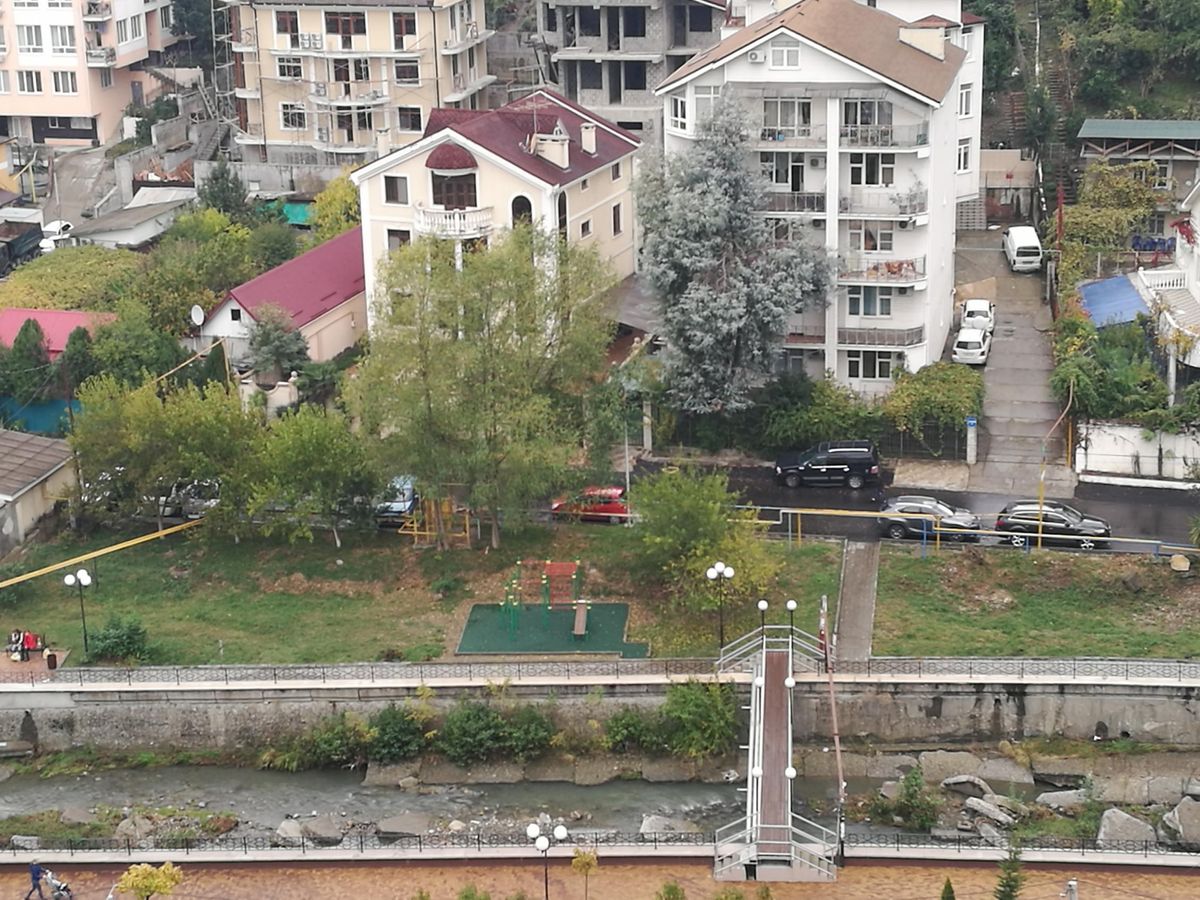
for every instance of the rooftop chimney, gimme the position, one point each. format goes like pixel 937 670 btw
pixel 587 137
pixel 927 40
pixel 554 148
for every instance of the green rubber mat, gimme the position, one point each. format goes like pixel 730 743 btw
pixel 492 629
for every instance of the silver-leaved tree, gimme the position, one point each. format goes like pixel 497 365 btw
pixel 726 282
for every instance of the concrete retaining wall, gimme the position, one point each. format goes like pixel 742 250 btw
pixel 1110 448
pixel 895 713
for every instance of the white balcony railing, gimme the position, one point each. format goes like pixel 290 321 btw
pixel 771 138
pixel 894 270
pixel 1163 279
pixel 101 56
pixel 796 201
pixel 453 223
pixel 892 205
pixel 885 135
pixel 351 93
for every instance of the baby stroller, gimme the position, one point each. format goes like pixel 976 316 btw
pixel 59 890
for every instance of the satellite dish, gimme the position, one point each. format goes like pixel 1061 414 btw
pixel 197 315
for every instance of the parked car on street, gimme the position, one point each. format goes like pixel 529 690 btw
pixel 980 314
pixel 1057 522
pixel 951 522
pixel 398 502
pixel 972 347
pixel 849 463
pixel 593 504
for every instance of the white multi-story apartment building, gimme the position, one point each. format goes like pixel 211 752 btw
pixel 69 68
pixel 323 82
pixel 610 56
pixel 868 132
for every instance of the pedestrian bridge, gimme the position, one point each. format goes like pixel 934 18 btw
pixel 770 842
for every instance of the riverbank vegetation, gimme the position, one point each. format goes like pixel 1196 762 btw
pixel 206 600
pixel 1000 602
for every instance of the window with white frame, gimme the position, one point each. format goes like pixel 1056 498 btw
pixel 1162 173
pixel 62 38
pixel 408 118
pixel 293 117
pixel 404 26
pixel 964 99
pixel 783 169
pixel 618 227
pixel 870 364
pixel 786 117
pixel 122 31
pixel 4 85
pixel 407 72
pixel 59 4
pixel 65 83
pixel 868 236
pixel 964 154
pixel 135 27
pixel 873 302
pixel 785 53
pixel 164 18
pixel 1157 223
pixel 968 41
pixel 290 67
pixel 585 228
pixel 106 78
pixel 29 82
pixel 26 3
pixel 287 22
pixel 29 38
pixel 877 169
pixel 395 189
pixel 679 113
pixel 615 171
pixel 397 238
pixel 706 100
pixel 583 185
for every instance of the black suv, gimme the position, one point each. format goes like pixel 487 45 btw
pixel 915 515
pixel 850 463
pixel 1059 524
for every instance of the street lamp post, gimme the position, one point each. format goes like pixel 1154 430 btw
pixel 80 579
pixel 791 608
pixel 719 573
pixel 541 843
pixel 762 616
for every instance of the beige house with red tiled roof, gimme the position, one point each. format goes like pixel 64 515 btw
pixel 473 174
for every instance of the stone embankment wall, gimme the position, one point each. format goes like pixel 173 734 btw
pixel 888 713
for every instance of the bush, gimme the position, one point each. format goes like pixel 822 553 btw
pixel 634 731
pixel 701 719
pixel 120 640
pixel 527 733
pixel 834 412
pixel 916 806
pixel 16 593
pixel 684 515
pixel 670 891
pixel 397 735
pixel 471 732
pixel 341 740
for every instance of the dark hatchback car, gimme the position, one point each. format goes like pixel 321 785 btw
pixel 918 516
pixel 1058 523
pixel 832 463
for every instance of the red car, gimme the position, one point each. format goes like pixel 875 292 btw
pixel 593 504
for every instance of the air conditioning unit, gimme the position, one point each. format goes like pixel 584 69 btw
pixel 757 56
pixel 902 290
pixel 816 162
pixel 319 89
pixel 818 223
pixel 323 134
pixel 311 41
pixel 904 223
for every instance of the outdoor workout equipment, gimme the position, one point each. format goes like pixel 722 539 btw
pixel 552 584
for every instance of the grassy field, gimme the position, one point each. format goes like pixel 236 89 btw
pixel 265 601
pixel 1006 603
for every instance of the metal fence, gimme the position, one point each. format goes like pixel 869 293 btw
pixel 901 842
pixel 1087 668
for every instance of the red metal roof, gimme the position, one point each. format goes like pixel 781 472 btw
pixel 450 158
pixel 969 18
pixel 506 132
pixel 57 324
pixel 311 284
pixel 935 22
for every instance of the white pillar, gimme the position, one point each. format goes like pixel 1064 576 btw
pixel 647 426
pixel 1170 376
pixel 833 172
pixel 972 441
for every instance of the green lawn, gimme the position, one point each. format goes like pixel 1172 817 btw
pixel 1007 603
pixel 265 601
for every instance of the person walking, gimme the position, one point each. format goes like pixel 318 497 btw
pixel 36 873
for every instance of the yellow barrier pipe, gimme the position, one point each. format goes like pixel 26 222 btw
pixel 124 545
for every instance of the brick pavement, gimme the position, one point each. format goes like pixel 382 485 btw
pixel 401 881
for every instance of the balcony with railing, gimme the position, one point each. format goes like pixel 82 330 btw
pixel 810 202
pixel 881 337
pixel 251 134
pixel 97 11
pixel 466 84
pixel 885 203
pixel 349 93
pixel 789 137
pixel 100 57
pixel 862 268
pixel 244 41
pixel 466 35
pixel 885 136
pixel 453 223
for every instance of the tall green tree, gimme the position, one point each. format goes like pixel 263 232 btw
pixel 1011 877
pixel 276 346
pixel 476 377
pixel 77 363
pixel 272 244
pixel 86 277
pixel 224 191
pixel 727 284
pixel 131 347
pixel 29 374
pixel 314 467
pixel 948 891
pixel 335 209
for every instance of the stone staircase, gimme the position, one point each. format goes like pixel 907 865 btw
pixel 213 134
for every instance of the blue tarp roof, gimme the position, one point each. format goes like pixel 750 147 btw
pixel 1112 301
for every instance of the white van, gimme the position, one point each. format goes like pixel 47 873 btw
pixel 1023 248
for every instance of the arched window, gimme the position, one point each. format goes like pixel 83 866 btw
pixel 522 210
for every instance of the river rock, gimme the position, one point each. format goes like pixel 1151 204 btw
pixel 989 811
pixel 652 824
pixel 135 828
pixel 550 768
pixel 323 830
pixel 1008 804
pixel 76 815
pixel 1117 826
pixel 1069 802
pixel 992 834
pixel 409 783
pixel 288 834
pixel 1183 822
pixel 889 790
pixel 1191 789
pixel 6 772
pixel 1139 790
pixel 390 775
pixel 403 825
pixel 1001 768
pixel 938 765
pixel 968 785
pixel 457 826
pixel 25 842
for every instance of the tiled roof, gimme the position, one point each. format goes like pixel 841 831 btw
pixel 57 324
pixel 311 284
pixel 864 35
pixel 26 459
pixel 1163 129
pixel 450 158
pixel 935 22
pixel 969 18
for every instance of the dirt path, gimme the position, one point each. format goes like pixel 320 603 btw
pixel 618 882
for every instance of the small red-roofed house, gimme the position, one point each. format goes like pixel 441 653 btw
pixel 57 325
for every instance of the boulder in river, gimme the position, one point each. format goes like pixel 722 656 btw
pixel 134 828
pixel 1069 802
pixel 654 824
pixel 25 842
pixel 323 830
pixel 989 811
pixel 404 825
pixel 288 834
pixel 969 785
pixel 1118 827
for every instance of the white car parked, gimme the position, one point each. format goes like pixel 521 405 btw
pixel 979 314
pixel 972 347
